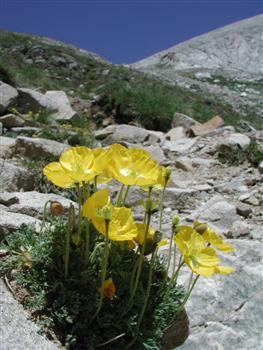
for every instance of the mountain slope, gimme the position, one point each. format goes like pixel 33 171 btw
pixel 227 61
pixel 122 94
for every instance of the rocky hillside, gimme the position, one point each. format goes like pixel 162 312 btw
pixel 217 177
pixel 227 62
pixel 102 92
pixel 51 95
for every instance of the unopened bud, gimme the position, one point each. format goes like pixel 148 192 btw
pixel 200 227
pixel 175 222
pixel 57 208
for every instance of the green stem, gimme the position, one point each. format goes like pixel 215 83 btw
pixel 145 303
pixel 170 252
pixel 44 215
pixel 148 196
pixel 104 269
pixel 67 250
pixel 87 237
pixel 125 195
pixel 135 267
pixel 162 208
pixel 140 263
pixel 119 198
pixel 79 212
pixel 187 295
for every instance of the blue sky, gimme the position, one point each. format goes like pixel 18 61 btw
pixel 123 31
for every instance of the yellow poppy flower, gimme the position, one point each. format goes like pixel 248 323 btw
pixel 133 166
pixel 211 237
pixel 78 162
pixel 141 232
pixel 200 259
pixel 58 176
pixel 102 156
pixel 121 224
pixel 109 289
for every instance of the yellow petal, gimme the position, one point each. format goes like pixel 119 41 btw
pixel 78 162
pixel 224 270
pixel 211 237
pixel 96 201
pixel 141 233
pixel 58 176
pixel 162 243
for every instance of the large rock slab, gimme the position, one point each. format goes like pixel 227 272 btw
pixel 128 133
pixel 31 203
pixel 233 142
pixel 58 102
pixel 176 134
pixel 38 147
pixel 220 213
pixel 206 128
pixel 17 332
pixel 14 178
pixel 7 96
pixel 6 146
pixel 31 100
pixel 11 120
pixel 225 312
pixel 179 147
pixel 12 221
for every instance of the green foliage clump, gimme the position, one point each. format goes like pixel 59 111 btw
pixel 66 306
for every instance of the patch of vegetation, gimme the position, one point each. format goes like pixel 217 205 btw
pixel 252 154
pixel 66 306
pixel 127 95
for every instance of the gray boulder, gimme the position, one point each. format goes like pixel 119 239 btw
pixel 6 146
pixel 12 221
pixel 38 147
pixel 11 120
pixel 7 96
pixel 14 178
pixel 31 203
pixel 179 147
pixel 31 100
pixel 58 102
pixel 17 332
pixel 233 142
pixel 176 134
pixel 218 212
pixel 128 133
pixel 225 312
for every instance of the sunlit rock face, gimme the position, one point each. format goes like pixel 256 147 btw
pixel 226 61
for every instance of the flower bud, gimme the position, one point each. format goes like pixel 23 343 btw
pixel 200 227
pixel 57 208
pixel 175 222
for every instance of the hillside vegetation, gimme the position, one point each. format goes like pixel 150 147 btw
pixel 122 93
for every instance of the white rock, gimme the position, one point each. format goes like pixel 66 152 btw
pixel 15 178
pixel 11 120
pixel 38 147
pixel 7 96
pixel 234 141
pixel 59 102
pixel 176 134
pixel 183 120
pixel 179 147
pixel 12 221
pixel 6 146
pixel 32 203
